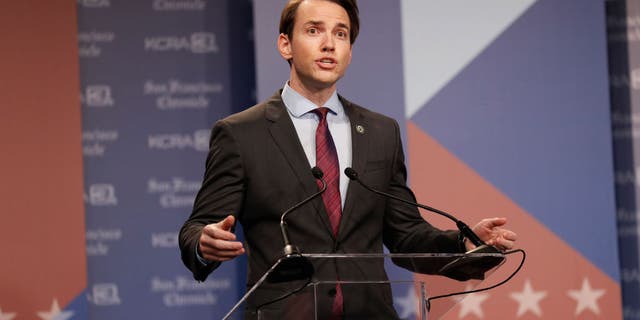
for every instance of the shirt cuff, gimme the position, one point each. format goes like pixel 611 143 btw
pixel 202 260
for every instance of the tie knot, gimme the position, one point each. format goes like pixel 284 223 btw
pixel 321 112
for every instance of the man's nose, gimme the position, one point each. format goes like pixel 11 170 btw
pixel 329 43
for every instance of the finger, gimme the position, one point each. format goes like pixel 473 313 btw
pixel 227 223
pixel 510 235
pixel 214 231
pixel 503 244
pixel 495 222
pixel 222 253
pixel 216 254
pixel 222 256
pixel 220 245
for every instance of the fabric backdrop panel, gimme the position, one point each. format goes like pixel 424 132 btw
pixel 43 270
pixel 521 128
pixel 623 27
pixel 156 75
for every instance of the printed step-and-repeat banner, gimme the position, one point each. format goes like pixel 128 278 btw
pixel 155 76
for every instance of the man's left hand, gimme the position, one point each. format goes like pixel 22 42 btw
pixel 491 231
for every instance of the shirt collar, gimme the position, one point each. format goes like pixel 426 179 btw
pixel 297 105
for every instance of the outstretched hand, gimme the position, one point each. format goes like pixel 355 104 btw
pixel 218 243
pixel 491 231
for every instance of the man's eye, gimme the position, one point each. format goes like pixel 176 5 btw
pixel 342 34
pixel 312 30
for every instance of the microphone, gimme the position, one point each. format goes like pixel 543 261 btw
pixel 288 247
pixel 292 265
pixel 460 269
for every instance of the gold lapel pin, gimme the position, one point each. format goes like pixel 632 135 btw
pixel 360 129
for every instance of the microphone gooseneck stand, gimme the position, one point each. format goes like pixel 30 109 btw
pixel 463 268
pixel 292 265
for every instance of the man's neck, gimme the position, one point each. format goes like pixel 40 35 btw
pixel 318 96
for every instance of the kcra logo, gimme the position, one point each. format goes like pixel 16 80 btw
pixel 104 294
pixel 101 194
pixel 164 240
pixel 95 3
pixel 98 95
pixel 199 140
pixel 199 42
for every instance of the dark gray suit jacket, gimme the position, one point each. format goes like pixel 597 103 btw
pixel 256 169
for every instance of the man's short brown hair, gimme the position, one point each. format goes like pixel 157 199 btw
pixel 287 19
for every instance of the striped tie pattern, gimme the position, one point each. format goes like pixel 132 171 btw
pixel 327 160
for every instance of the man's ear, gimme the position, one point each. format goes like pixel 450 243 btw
pixel 284 46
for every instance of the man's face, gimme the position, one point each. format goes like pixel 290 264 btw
pixel 320 50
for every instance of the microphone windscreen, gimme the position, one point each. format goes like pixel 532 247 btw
pixel 317 172
pixel 352 174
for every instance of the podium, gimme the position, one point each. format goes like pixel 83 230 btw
pixel 303 286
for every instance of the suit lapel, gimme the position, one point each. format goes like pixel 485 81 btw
pixel 285 137
pixel 359 147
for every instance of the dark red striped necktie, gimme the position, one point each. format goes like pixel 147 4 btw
pixel 327 160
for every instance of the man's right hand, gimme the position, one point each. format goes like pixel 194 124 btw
pixel 218 243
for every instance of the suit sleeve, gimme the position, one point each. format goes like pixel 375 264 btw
pixel 221 194
pixel 405 230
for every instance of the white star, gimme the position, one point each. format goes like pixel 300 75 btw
pixel 7 316
pixel 471 304
pixel 586 297
pixel 407 303
pixel 55 313
pixel 528 300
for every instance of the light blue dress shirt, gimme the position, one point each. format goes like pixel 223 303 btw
pixel 306 122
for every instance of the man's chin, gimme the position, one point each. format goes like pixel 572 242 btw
pixel 319 82
pixel 320 85
pixel 326 82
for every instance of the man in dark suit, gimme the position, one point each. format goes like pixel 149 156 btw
pixel 260 161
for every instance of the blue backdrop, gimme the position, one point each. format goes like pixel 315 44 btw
pixel 155 76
